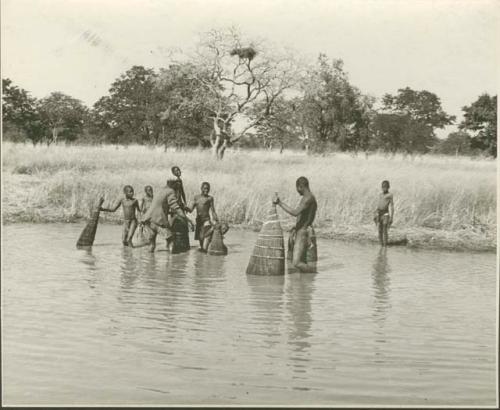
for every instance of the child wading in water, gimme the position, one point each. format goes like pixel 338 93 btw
pixel 130 205
pixel 384 213
pixel 147 200
pixel 203 203
pixel 179 188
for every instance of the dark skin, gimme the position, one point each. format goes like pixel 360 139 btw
pixel 176 171
pixel 304 205
pixel 129 205
pixel 146 201
pixel 204 204
pixel 385 204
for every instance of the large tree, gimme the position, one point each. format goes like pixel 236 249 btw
pixel 63 115
pixel 481 118
pixel 19 113
pixel 400 132
pixel 181 109
pixel 333 112
pixel 234 74
pixel 129 112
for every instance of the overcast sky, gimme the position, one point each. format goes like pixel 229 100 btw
pixel 80 46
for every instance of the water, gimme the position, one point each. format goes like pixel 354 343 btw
pixel 120 326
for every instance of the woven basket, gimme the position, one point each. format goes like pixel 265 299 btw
pixel 217 246
pixel 88 234
pixel 268 257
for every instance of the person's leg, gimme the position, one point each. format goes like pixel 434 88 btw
pixel 299 253
pixel 385 228
pixel 381 231
pixel 126 225
pixel 154 233
pixel 131 231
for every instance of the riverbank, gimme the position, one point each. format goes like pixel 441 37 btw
pixel 440 202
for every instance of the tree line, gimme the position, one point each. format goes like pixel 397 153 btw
pixel 235 91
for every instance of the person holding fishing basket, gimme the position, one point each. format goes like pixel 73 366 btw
pixel 302 249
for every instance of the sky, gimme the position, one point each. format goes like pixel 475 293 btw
pixel 80 47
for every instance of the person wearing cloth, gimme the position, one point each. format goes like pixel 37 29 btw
pixel 179 187
pixel 302 250
pixel 384 213
pixel 156 217
pixel 204 204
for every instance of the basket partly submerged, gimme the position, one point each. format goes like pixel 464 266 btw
pixel 88 234
pixel 268 257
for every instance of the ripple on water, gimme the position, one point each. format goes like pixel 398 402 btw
pixel 119 325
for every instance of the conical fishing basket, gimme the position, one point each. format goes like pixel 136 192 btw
pixel 88 234
pixel 217 246
pixel 268 257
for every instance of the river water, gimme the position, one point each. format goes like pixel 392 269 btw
pixel 117 325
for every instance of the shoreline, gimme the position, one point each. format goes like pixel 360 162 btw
pixel 412 238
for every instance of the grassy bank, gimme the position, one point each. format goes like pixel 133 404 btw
pixel 439 201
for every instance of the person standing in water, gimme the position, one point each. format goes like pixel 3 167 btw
pixel 156 217
pixel 181 195
pixel 147 200
pixel 302 250
pixel 204 205
pixel 130 205
pixel 384 213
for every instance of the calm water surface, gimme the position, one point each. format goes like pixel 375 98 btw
pixel 121 326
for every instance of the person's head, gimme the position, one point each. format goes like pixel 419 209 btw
pixel 205 188
pixel 128 191
pixel 302 185
pixel 148 189
pixel 176 171
pixel 385 186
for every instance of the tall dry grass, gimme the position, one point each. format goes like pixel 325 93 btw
pixel 61 182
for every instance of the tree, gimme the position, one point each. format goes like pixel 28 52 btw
pixel 281 126
pixel 63 115
pixel 235 74
pixel 481 118
pixel 19 113
pixel 182 113
pixel 400 132
pixel 419 114
pixel 333 112
pixel 457 143
pixel 129 112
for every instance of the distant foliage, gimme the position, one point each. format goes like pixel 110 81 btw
pixel 481 119
pixel 234 90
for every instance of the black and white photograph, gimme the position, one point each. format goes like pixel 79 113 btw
pixel 271 203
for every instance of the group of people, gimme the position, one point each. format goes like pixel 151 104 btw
pixel 167 211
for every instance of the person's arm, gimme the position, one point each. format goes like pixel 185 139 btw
pixel 141 206
pixel 183 194
pixel 391 210
pixel 304 202
pixel 212 208
pixel 137 207
pixel 191 206
pixel 112 209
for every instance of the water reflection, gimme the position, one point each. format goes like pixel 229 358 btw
pixel 299 294
pixel 381 286
pixel 266 295
pixel 128 267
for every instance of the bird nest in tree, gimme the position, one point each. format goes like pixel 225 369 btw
pixel 245 52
